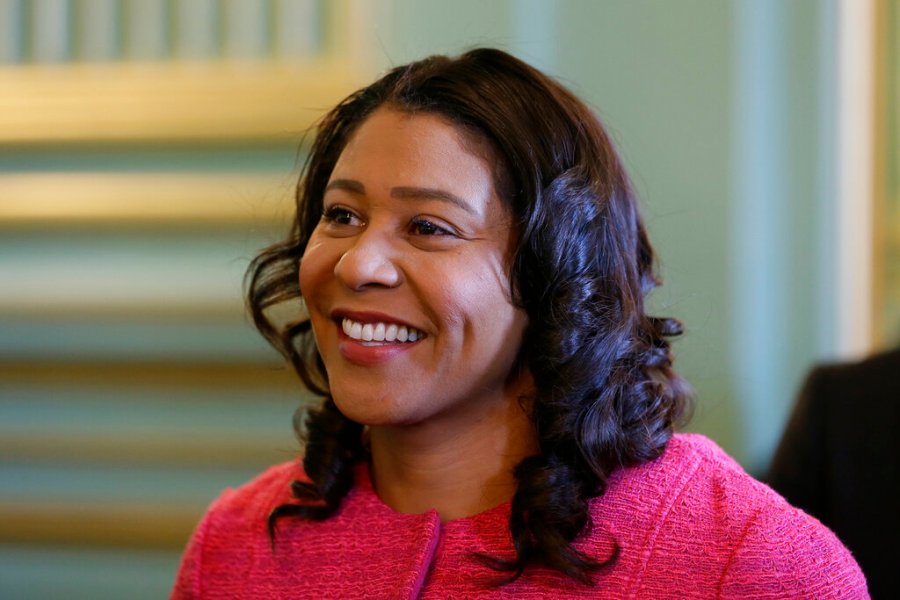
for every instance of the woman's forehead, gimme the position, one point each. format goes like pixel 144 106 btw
pixel 399 139
pixel 393 149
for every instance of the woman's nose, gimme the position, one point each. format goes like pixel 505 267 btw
pixel 369 262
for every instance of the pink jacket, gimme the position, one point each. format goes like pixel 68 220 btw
pixel 690 524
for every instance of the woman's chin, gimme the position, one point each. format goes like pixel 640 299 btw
pixel 369 409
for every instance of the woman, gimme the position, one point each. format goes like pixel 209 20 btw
pixel 498 408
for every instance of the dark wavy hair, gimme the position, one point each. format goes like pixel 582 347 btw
pixel 606 394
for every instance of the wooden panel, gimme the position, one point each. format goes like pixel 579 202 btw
pixel 117 455
pixel 39 572
pixel 172 415
pixel 133 102
pixel 158 198
pixel 99 524
pixel 249 403
pixel 174 448
pixel 132 195
pixel 196 376
pixel 886 155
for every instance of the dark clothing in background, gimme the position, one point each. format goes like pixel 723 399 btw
pixel 838 460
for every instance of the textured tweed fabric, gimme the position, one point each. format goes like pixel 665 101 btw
pixel 691 524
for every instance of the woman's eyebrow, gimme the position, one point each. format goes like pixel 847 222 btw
pixel 431 194
pixel 412 192
pixel 349 185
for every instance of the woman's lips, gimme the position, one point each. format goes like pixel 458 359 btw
pixel 380 331
pixel 367 352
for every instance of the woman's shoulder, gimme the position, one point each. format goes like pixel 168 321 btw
pixel 234 524
pixel 256 498
pixel 705 509
pixel 692 468
pixel 687 446
pixel 717 494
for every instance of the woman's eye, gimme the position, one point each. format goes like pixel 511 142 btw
pixel 340 216
pixel 424 227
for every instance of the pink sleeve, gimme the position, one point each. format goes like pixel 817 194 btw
pixel 791 555
pixel 190 571
pixel 187 582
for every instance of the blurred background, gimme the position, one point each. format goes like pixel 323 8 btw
pixel 148 148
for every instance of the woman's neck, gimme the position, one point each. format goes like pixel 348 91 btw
pixel 456 468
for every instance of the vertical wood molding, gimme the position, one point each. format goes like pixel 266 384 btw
pixel 855 176
pixel 886 227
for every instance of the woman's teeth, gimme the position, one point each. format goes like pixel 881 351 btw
pixel 380 332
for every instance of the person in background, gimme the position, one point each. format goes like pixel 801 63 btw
pixel 839 460
pixel 497 407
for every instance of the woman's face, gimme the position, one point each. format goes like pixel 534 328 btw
pixel 406 277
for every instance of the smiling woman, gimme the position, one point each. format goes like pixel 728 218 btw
pixel 498 408
pixel 394 252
